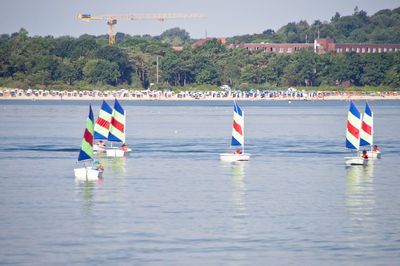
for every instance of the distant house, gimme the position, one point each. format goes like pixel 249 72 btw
pixel 202 41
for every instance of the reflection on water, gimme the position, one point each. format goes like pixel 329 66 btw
pixel 114 165
pixel 239 211
pixel 360 200
pixel 86 195
pixel 238 186
pixel 239 215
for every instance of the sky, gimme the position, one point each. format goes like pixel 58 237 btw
pixel 222 18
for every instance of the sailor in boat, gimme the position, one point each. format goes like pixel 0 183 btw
pixel 124 147
pixel 238 151
pixel 376 149
pixel 101 143
pixel 98 166
pixel 364 155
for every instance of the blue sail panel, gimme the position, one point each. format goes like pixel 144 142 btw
pixel 354 110
pixel 118 107
pixel 106 107
pixel 350 146
pixel 237 108
pixel 235 142
pixel 111 137
pixel 83 156
pixel 364 142
pixel 99 136
pixel 368 110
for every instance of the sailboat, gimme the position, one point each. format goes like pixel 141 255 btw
pixel 353 135
pixel 86 152
pixel 102 126
pixel 237 137
pixel 117 131
pixel 367 132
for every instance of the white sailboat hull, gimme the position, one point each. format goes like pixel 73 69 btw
pixel 115 152
pixel 372 154
pixel 87 173
pixel 355 161
pixel 97 148
pixel 233 157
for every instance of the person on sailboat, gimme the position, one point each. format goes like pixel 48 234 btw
pixel 101 143
pixel 124 147
pixel 376 149
pixel 98 166
pixel 364 155
pixel 238 151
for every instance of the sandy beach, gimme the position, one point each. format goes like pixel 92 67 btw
pixel 190 96
pixel 206 98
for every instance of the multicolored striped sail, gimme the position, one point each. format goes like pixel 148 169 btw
pixel 353 128
pixel 86 151
pixel 366 134
pixel 102 126
pixel 117 127
pixel 238 126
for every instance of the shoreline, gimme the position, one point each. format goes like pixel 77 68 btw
pixel 204 98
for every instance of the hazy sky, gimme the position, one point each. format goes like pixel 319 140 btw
pixel 223 18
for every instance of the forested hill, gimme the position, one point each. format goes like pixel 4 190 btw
pixel 134 61
pixel 383 27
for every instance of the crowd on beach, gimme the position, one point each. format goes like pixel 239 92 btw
pixel 226 94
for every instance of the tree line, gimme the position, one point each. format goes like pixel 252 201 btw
pixel 140 61
pixel 383 27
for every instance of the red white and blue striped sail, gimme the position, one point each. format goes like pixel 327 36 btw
pixel 367 127
pixel 353 128
pixel 117 126
pixel 238 126
pixel 86 151
pixel 102 126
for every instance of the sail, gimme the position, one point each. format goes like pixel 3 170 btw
pixel 86 151
pixel 103 122
pixel 353 128
pixel 117 127
pixel 366 133
pixel 238 126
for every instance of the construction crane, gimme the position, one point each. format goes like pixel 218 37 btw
pixel 112 19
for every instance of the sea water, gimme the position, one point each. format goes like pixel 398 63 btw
pixel 173 202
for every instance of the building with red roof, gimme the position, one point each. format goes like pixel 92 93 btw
pixel 320 46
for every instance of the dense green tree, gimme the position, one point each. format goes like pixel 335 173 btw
pixel 208 75
pixel 346 67
pixel 116 55
pixel 175 36
pixel 101 71
pixel 374 67
pixel 171 66
pixel 85 46
pixel 392 76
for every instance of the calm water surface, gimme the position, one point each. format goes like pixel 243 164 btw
pixel 173 202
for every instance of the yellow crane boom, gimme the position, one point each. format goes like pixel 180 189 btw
pixel 112 19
